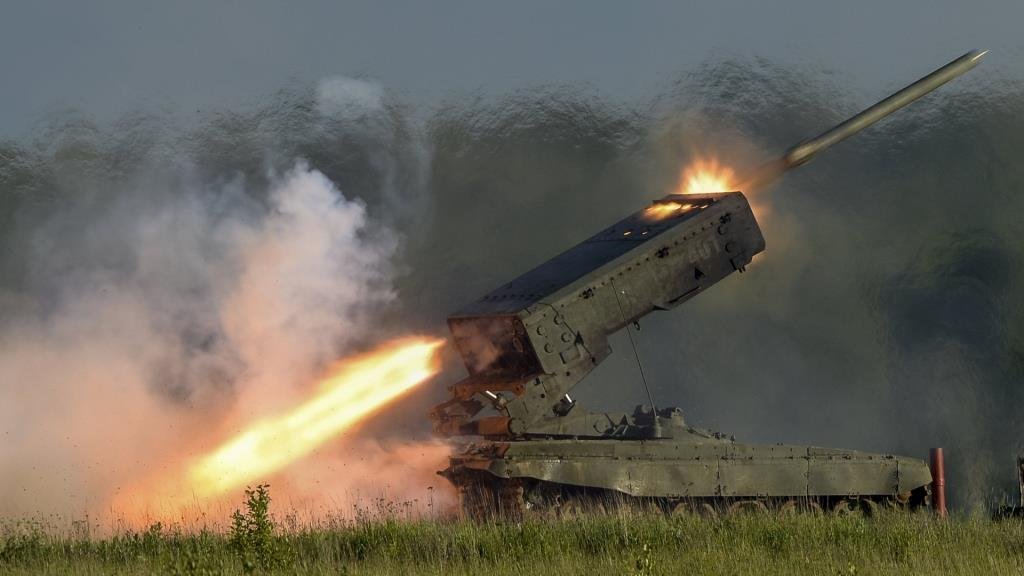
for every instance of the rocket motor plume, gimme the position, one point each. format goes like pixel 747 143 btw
pixel 707 176
pixel 352 391
pixel 703 176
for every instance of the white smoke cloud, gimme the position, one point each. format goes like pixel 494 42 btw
pixel 170 323
pixel 313 275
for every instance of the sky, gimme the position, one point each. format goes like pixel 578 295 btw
pixel 106 57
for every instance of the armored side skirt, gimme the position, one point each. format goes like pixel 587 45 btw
pixel 663 469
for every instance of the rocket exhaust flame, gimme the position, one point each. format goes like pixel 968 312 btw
pixel 704 176
pixel 353 390
pixel 707 176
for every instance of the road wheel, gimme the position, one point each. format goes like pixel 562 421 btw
pixel 707 510
pixel 571 508
pixel 897 504
pixel 747 507
pixel 870 508
pixel 789 508
pixel 846 507
pixel 810 506
pixel 695 508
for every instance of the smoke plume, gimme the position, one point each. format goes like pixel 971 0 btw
pixel 159 310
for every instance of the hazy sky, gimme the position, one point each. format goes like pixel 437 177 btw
pixel 108 57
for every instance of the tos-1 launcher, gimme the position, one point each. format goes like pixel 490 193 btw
pixel 528 343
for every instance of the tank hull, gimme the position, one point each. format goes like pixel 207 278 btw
pixel 513 477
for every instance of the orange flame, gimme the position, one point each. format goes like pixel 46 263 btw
pixel 352 391
pixel 706 175
pixel 662 210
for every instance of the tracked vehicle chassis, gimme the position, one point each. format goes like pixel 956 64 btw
pixel 484 497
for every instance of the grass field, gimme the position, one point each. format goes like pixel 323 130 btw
pixel 621 544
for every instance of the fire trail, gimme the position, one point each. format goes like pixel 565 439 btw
pixel 354 390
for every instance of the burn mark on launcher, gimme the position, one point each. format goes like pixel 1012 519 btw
pixel 494 345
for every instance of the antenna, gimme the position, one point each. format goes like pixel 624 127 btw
pixel 639 365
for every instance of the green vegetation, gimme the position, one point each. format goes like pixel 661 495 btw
pixel 642 544
pixel 252 534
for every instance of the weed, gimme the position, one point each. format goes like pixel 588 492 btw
pixel 252 533
pixel 644 562
pixel 22 542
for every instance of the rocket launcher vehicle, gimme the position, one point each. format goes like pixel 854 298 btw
pixel 527 344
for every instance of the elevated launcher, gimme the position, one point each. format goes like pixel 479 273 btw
pixel 528 343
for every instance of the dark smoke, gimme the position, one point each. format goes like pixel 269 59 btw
pixel 883 315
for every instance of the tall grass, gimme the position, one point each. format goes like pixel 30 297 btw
pixel 620 544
